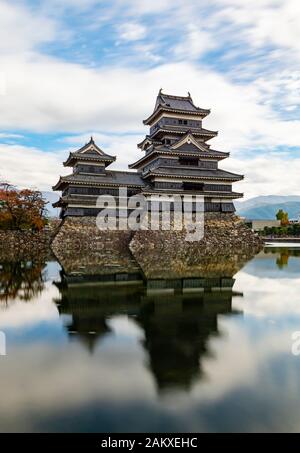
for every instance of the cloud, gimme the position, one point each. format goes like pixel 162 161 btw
pixel 5 135
pixel 196 42
pixel 269 22
pixel 59 96
pixel 252 89
pixel 131 32
pixel 30 167
pixel 102 105
pixel 22 29
pixel 266 175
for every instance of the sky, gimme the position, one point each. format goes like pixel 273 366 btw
pixel 75 68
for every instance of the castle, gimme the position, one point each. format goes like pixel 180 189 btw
pixel 177 159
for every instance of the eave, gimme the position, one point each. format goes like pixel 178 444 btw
pixel 210 194
pixel 59 203
pixel 171 153
pixel 58 185
pixel 229 178
pixel 83 158
pixel 199 112
pixel 202 133
pixel 62 182
pixel 147 138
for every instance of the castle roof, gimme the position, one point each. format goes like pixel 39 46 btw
pixel 198 173
pixel 188 150
pixel 109 178
pixel 174 104
pixel 89 152
pixel 201 132
pixel 230 195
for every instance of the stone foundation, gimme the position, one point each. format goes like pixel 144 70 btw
pixel 226 236
pixel 227 241
pixel 79 244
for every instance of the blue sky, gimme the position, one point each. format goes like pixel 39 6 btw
pixel 75 68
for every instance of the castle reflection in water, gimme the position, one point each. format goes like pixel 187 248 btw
pixel 177 307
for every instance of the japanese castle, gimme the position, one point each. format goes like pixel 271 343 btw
pixel 176 159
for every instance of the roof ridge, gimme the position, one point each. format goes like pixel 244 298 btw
pixel 173 96
pixel 123 171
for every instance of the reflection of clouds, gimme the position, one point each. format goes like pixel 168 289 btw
pixel 251 379
pixel 239 359
pixel 268 297
pixel 55 380
pixel 64 382
pixel 128 330
pixel 251 383
pixel 52 271
pixel 40 308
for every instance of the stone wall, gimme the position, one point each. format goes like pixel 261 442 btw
pixel 226 237
pixel 79 244
pixel 26 245
pixel 124 251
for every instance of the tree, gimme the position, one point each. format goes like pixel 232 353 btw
pixel 21 279
pixel 21 209
pixel 283 217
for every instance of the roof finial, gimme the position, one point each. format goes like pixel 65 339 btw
pixel 189 94
pixel 160 91
pixel 92 140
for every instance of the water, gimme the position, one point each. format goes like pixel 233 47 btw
pixel 196 354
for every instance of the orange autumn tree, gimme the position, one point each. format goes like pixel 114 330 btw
pixel 283 217
pixel 23 209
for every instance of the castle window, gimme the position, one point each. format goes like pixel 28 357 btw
pixel 179 121
pixel 185 122
pixel 188 161
pixel 193 186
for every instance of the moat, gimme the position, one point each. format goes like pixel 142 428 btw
pixel 201 351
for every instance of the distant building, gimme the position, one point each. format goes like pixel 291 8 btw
pixel 259 225
pixel 176 160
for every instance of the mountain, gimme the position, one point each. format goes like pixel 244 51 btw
pixel 266 207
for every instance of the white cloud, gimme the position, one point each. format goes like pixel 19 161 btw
pixel 116 100
pixel 22 29
pixel 57 96
pixel 267 22
pixel 9 135
pixel 30 167
pixel 131 31
pixel 266 175
pixel 46 94
pixel 138 7
pixel 195 43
